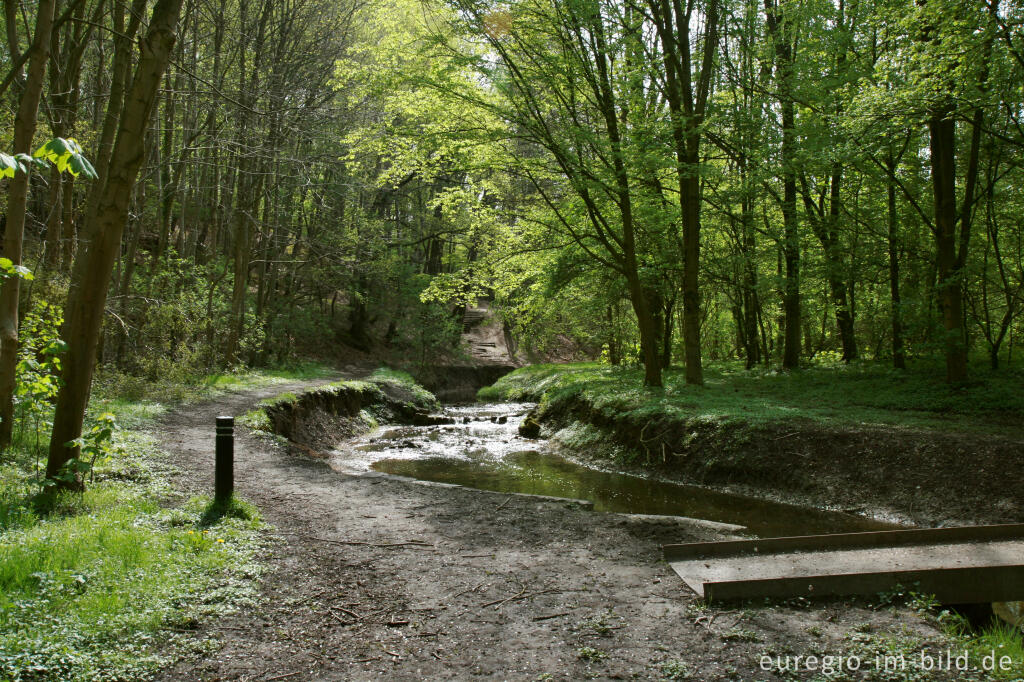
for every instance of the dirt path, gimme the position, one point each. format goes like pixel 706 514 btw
pixel 373 577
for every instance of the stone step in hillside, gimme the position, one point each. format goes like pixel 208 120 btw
pixel 472 317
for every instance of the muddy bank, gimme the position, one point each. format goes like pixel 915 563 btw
pixel 317 419
pixel 924 477
pixel 459 383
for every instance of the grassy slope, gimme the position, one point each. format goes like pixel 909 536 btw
pixel 109 585
pixel 859 394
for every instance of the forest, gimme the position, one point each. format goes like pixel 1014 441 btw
pixel 691 191
pixel 650 183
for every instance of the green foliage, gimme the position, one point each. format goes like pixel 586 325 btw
pixel 590 654
pixel 675 670
pixel 9 269
pixel 68 156
pixel 94 444
pixel 37 373
pixel 87 592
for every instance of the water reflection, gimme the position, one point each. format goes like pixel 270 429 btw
pixel 479 452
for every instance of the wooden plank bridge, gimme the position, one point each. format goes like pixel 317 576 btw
pixel 970 564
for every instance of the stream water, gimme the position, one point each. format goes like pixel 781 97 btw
pixel 483 449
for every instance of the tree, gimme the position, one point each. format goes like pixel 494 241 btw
pixel 24 130
pixel 91 276
pixel 687 105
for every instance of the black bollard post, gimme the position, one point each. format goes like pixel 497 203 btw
pixel 224 469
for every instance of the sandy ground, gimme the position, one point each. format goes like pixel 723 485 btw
pixel 373 577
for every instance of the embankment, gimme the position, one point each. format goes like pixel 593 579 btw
pixel 924 476
pixel 460 383
pixel 318 419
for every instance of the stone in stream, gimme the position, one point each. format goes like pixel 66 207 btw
pixel 503 419
pixel 529 428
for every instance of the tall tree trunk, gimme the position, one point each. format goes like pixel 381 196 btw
pixel 17 201
pixel 780 29
pixel 942 136
pixel 686 109
pixel 899 360
pixel 91 275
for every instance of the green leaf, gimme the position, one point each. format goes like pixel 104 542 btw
pixel 55 347
pixel 54 149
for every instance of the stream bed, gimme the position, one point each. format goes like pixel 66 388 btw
pixel 483 449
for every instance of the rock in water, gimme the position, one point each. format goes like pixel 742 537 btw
pixel 529 428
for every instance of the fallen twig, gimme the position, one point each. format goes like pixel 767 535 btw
pixel 499 602
pixel 550 616
pixel 473 589
pixel 353 614
pixel 281 677
pixel 505 502
pixel 338 618
pixel 367 660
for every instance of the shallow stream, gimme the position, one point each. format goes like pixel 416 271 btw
pixel 483 449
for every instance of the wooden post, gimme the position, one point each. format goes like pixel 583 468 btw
pixel 224 470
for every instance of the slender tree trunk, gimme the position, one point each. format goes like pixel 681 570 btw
pixel 17 202
pixel 91 276
pixel 666 338
pixel 780 28
pixel 899 360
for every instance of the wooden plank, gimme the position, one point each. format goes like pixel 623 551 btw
pixel 803 543
pixel 958 565
pixel 950 586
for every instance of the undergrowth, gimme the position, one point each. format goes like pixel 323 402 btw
pixel 111 584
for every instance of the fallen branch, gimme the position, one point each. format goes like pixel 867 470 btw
pixel 410 543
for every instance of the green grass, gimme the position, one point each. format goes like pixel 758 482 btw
pixel 861 393
pixel 997 640
pixel 398 384
pixel 110 585
pixel 394 377
pixel 136 400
